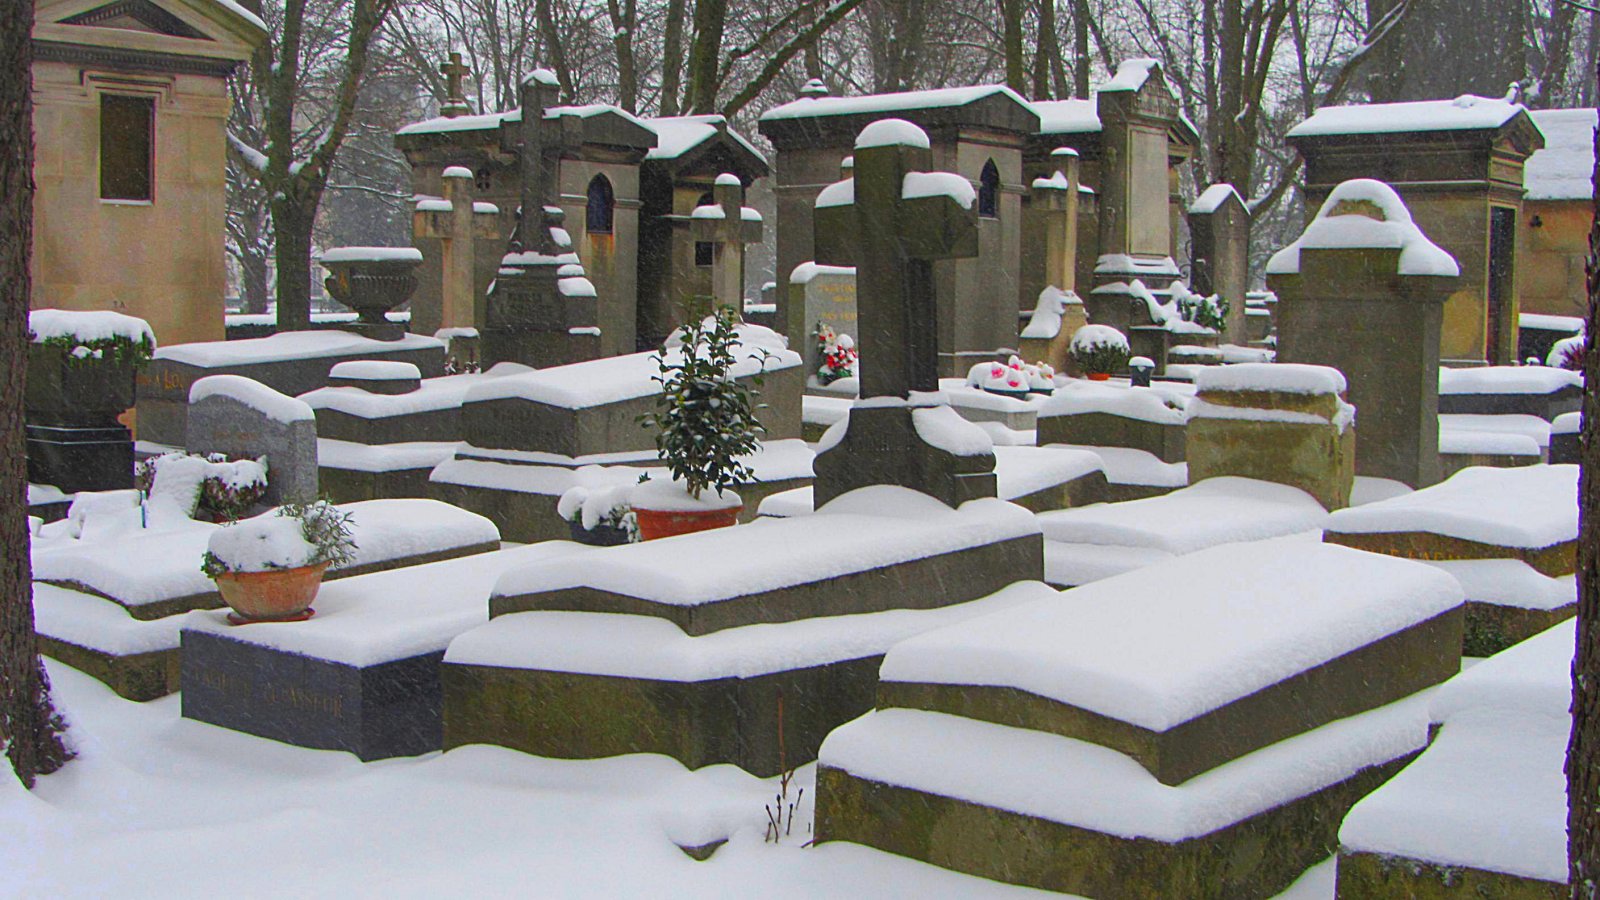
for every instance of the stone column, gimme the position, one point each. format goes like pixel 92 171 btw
pixel 1349 298
pixel 1219 254
pixel 457 224
pixel 727 225
pixel 1056 200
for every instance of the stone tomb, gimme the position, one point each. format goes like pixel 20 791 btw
pixel 1508 535
pixel 1483 811
pixel 291 363
pixel 124 629
pixel 1275 422
pixel 706 647
pixel 1363 291
pixel 363 674
pixel 1062 744
pixel 527 434
pixel 1543 391
pixel 1565 434
pixel 245 419
pixel 1152 419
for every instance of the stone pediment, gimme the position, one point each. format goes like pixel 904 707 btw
pixel 150 29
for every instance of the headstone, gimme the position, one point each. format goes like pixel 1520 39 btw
pixel 1274 422
pixel 1362 291
pixel 458 223
pixel 892 220
pixel 81 375
pixel 239 417
pixel 727 225
pixel 1137 110
pixel 542 309
pixel 1219 254
pixel 828 294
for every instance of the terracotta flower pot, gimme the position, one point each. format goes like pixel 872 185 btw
pixel 660 523
pixel 276 595
pixel 1099 376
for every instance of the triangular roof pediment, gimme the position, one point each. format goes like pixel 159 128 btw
pixel 213 28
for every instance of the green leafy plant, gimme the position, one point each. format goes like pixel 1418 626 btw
pixel 324 526
pixel 705 420
pixel 1209 312
pixel 119 349
pixel 1099 349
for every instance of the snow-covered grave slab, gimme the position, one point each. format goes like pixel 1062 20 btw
pixel 430 412
pixel 1508 601
pixel 362 675
pixel 1528 513
pixel 1094 542
pixel 292 363
pixel 589 685
pixel 1192 729
pixel 136 658
pixel 1483 811
pixel 1085 413
pixel 350 472
pixel 978 405
pixel 1543 391
pixel 158 574
pixel 872 549
pixel 1035 478
pixel 1135 474
pixel 519 490
pixel 1190 664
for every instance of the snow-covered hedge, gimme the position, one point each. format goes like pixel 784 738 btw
pixel 1099 349
pixel 93 335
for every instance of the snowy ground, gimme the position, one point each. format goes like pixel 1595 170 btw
pixel 161 806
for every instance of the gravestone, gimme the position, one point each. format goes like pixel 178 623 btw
pixel 891 221
pixel 828 294
pixel 1362 291
pixel 1274 422
pixel 542 309
pixel 1219 254
pixel 457 222
pixel 239 417
pixel 1137 110
pixel 727 225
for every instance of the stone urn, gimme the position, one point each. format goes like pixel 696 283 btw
pixel 372 281
pixel 65 390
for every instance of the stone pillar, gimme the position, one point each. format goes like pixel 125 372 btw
pixel 727 225
pixel 1219 254
pixel 1056 200
pixel 891 221
pixel 1350 298
pixel 1137 110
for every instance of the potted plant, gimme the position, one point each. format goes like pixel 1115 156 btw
pixel 600 518
pixel 705 421
pixel 82 365
pixel 1099 350
pixel 269 568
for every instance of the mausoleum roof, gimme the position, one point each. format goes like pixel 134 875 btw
pixel 1463 114
pixel 1564 168
pixel 821 121
pixel 683 140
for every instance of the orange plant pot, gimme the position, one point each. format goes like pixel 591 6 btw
pixel 276 595
pixel 660 523
pixel 1099 376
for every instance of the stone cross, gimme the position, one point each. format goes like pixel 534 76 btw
pixel 531 138
pixel 892 221
pixel 727 224
pixel 455 99
pixel 458 224
pixel 883 219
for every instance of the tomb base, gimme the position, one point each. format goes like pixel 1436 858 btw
pixel 1377 875
pixel 1258 857
pixel 375 712
pixel 135 676
pixel 885 445
pixel 1167 443
pixel 1491 628
pixel 1554 560
pixel 80 459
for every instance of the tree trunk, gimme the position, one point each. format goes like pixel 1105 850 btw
pixel 29 727
pixel 1385 73
pixel 1080 49
pixel 710 17
pixel 291 231
pixel 624 19
pixel 1558 55
pixel 1583 750
pixel 672 58
pixel 255 288
pixel 1048 56
pixel 1011 27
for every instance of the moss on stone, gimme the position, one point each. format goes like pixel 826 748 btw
pixel 1377 876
